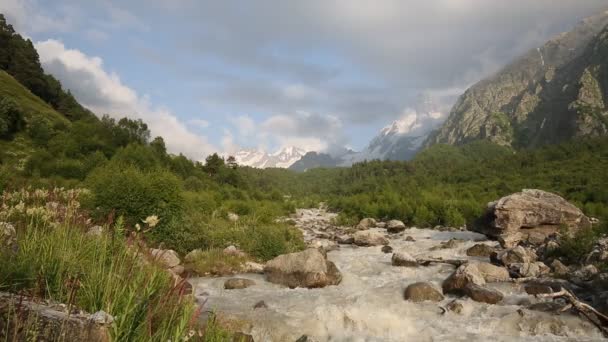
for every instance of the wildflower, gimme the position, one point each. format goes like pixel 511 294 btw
pixel 151 221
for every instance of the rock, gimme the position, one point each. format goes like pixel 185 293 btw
pixel 366 223
pixel 461 277
pixel 403 259
pixel 178 270
pixel 451 243
pixel 482 294
pixel 308 268
pixel 492 273
pixel 380 224
pixel 529 269
pixel 387 249
pixel 559 269
pixel 232 250
pixel 193 255
pixel 422 291
pixel 54 322
pixel 480 250
pixel 260 305
pixel 232 217
pixel 455 306
pixel 537 288
pixel 242 337
pixel 395 226
pixel 101 317
pixel 326 245
pixel 345 239
pixel 599 252
pixel 306 338
pixel 8 237
pixel 369 238
pixel 238 283
pixel 166 257
pixel 585 273
pixel 252 267
pixel 410 239
pixel 528 212
pixel 95 231
pixel 517 254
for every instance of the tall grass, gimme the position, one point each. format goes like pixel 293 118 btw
pixel 57 260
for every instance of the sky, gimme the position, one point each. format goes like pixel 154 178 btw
pixel 215 76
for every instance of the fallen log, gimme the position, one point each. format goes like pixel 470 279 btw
pixel 597 318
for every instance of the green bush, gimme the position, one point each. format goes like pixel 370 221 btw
pixel 40 130
pixel 136 194
pixel 11 118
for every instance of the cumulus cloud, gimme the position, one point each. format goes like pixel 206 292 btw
pixel 27 16
pixel 103 92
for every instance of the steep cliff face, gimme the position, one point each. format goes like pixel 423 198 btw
pixel 553 93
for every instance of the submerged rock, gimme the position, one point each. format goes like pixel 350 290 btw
pixel 370 238
pixel 238 283
pixel 422 291
pixel 531 212
pixel 387 249
pixel 403 259
pixel 455 306
pixel 308 268
pixel 395 226
pixel 482 294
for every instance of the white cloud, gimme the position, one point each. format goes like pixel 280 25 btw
pixel 28 17
pixel 199 123
pixel 244 124
pixel 103 92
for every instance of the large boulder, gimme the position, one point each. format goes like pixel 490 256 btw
pixel 422 291
pixel 369 238
pixel 462 276
pixel 403 259
pixel 531 213
pixel 529 269
pixel 395 226
pixel 308 268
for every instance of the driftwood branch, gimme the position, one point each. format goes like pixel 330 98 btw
pixel 597 318
pixel 454 262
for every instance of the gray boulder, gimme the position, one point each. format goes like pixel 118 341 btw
pixel 166 257
pixel 403 259
pixel 366 223
pixel 492 273
pixel 395 226
pixel 422 291
pixel 461 277
pixel 482 294
pixel 369 238
pixel 308 268
pixel 480 250
pixel 529 269
pixel 516 254
pixel 540 213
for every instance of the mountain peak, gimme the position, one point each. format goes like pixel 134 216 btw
pixel 283 158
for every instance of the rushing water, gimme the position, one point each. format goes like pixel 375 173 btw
pixel 368 305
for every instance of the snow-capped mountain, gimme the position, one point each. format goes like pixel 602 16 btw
pixel 402 139
pixel 283 158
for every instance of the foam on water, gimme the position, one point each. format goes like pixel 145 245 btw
pixel 368 305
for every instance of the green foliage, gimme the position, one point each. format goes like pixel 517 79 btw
pixel 135 194
pixel 40 130
pixel 11 118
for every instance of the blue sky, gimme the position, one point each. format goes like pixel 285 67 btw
pixel 220 75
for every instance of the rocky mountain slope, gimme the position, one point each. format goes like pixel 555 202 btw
pixel 551 94
pixel 283 158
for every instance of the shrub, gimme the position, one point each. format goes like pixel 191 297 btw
pixel 11 118
pixel 136 194
pixel 40 130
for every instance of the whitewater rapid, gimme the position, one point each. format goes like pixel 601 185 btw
pixel 368 304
